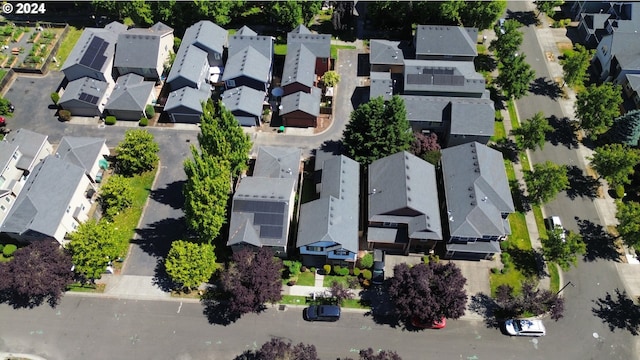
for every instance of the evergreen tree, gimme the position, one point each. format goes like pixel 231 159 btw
pixel 626 129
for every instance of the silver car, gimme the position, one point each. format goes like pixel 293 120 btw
pixel 525 327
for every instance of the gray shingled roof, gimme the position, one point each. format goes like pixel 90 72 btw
pixel 247 62
pixel 634 82
pixel 385 52
pixel 255 194
pixel 6 153
pixel 277 162
pixel 245 99
pixel 629 61
pixel 446 40
pixel 472 117
pixel 188 64
pixel 187 97
pixel 45 197
pixel 85 85
pixel 207 36
pixel 82 45
pixel 427 108
pixel 308 103
pixel 131 92
pixel 116 27
pixel 334 216
pixel 405 183
pixel 318 44
pixel 140 48
pixel 29 143
pixel 81 151
pixel 381 85
pixel 299 66
pixel 263 44
pixel 442 76
pixel 246 31
pixel 476 190
pixel 622 42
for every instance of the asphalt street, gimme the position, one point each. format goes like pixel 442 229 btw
pixel 595 275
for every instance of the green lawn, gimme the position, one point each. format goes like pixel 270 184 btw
pixel 127 221
pixel 335 48
pixel 498 131
pixel 329 279
pixel 280 49
pixel 67 45
pixel 519 233
pixel 513 114
pixel 293 300
pixel 3 72
pixel 306 279
pixel 542 230
pixel 78 287
pixel 555 277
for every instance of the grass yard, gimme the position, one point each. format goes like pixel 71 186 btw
pixel 519 237
pixel 280 49
pixel 513 114
pixel 306 279
pixel 293 300
pixel 498 131
pixel 3 72
pixel 537 212
pixel 555 277
pixel 335 48
pixel 67 45
pixel 87 288
pixel 127 221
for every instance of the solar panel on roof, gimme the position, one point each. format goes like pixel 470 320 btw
pixel 271 232
pixel 94 55
pixel 259 206
pixel 267 219
pixel 88 98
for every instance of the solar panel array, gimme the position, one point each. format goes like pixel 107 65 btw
pixel 435 79
pixel 268 215
pixel 94 55
pixel 88 98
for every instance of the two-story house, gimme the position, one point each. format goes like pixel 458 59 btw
pixel 20 152
pixel 209 37
pixel 86 97
pixel 130 97
pixel 144 51
pixel 262 207
pixel 250 60
pixel 242 103
pixel 403 213
pixel 477 199
pixel 328 226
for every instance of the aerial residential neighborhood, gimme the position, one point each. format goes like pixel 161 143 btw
pixel 320 180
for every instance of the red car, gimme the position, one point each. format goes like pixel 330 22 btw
pixel 3 122
pixel 435 325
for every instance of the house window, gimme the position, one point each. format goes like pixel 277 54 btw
pixel 217 56
pixel 7 199
pixel 341 252
pixel 68 208
pixel 231 83
pixel 15 155
pixel 74 226
pixel 314 248
pixel 389 224
pixel 3 208
pixel 324 60
pixel 2 180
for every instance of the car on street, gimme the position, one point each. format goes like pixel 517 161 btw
pixel 377 277
pixel 3 121
pixel 322 313
pixel 434 325
pixel 525 327
pixel 554 222
pixel 501 25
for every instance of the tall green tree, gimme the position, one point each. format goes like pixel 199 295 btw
pixel 548 6
pixel 189 264
pixel 377 129
pixel 509 39
pixel 628 215
pixel 626 129
pixel 546 181
pixel 615 163
pixel 206 194
pixel 138 152
pixel 532 133
pixel 481 14
pixel 575 64
pixel 93 245
pixel 563 250
pixel 514 76
pixel 222 136
pixel 287 14
pixel 116 195
pixel 597 106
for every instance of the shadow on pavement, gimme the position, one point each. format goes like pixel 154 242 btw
pixel 545 87
pixel 526 18
pixel 156 238
pixel 483 305
pixel 564 132
pixel 333 147
pixel 216 310
pixel 381 308
pixel 619 312
pixel 161 279
pixel 580 184
pixel 170 195
pixel 599 242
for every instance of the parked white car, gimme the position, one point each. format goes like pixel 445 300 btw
pixel 525 327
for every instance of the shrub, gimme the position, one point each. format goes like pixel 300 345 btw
pixel 110 120
pixel 336 269
pixel 366 261
pixel 65 115
pixel 55 97
pixel 506 259
pixel 366 274
pixel 327 269
pixel 313 269
pixel 150 111
pixel 352 282
pixel 143 121
pixel 356 271
pixel 9 249
pixel 619 191
pixel 1 247
pixel 495 270
pixel 293 267
pixel 343 271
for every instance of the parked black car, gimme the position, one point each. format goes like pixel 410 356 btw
pixel 377 277
pixel 322 313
